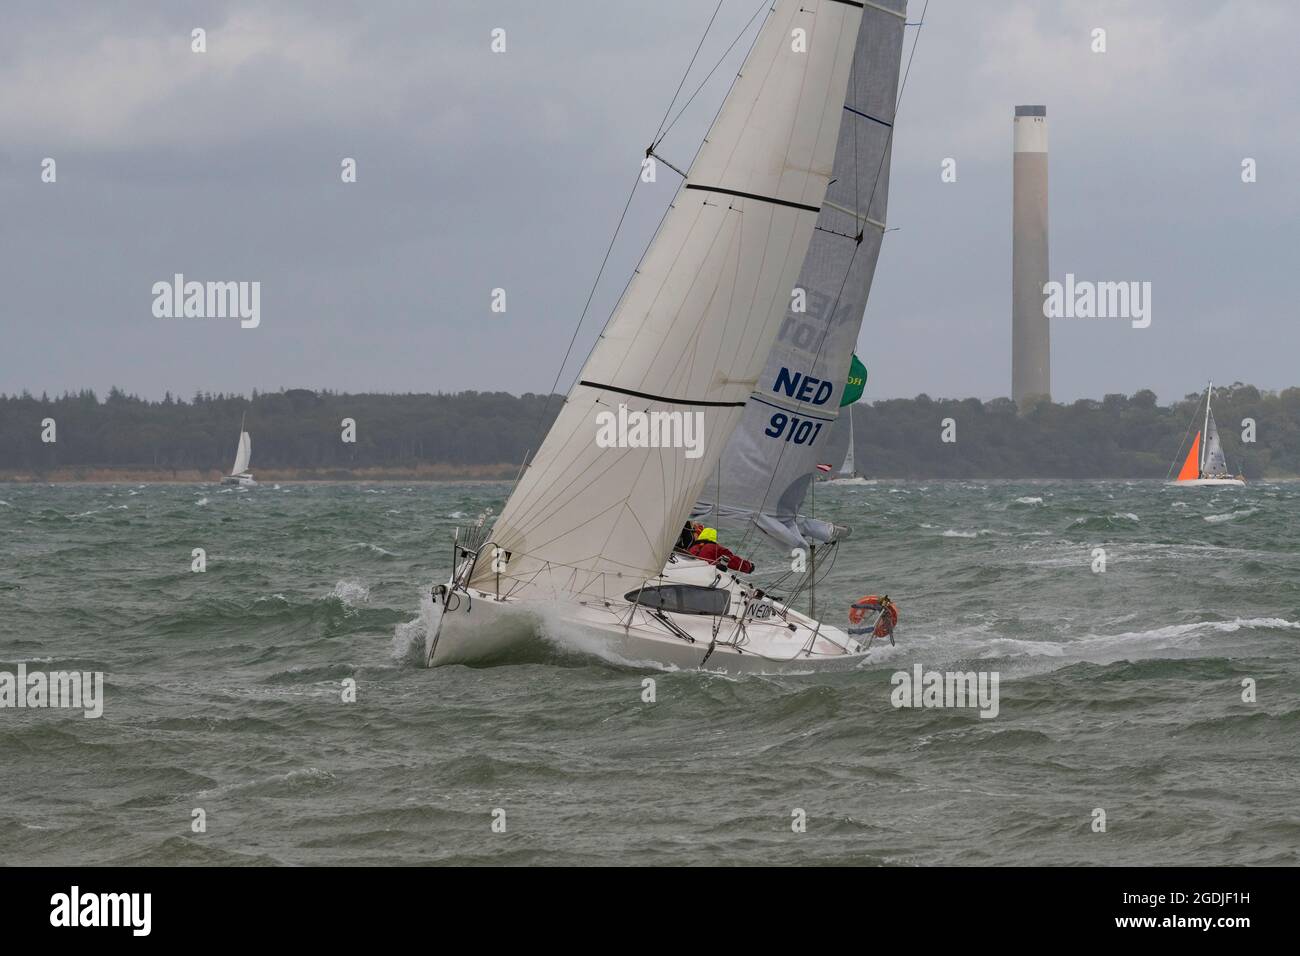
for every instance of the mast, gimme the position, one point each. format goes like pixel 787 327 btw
pixel 1209 389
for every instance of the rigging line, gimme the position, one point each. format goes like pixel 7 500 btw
pixel 735 228
pixel 664 132
pixel 546 404
pixel 689 67
pixel 671 205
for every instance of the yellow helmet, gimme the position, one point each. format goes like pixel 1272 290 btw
pixel 708 534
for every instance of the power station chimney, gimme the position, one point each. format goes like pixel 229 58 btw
pixel 1031 343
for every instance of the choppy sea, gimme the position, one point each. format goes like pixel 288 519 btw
pixel 1120 690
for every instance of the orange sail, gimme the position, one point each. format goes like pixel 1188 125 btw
pixel 1192 466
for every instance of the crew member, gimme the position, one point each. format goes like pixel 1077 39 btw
pixel 707 548
pixel 687 537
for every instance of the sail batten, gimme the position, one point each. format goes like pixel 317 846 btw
pixel 687 341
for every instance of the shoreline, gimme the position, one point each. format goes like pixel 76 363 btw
pixel 168 476
pixel 104 476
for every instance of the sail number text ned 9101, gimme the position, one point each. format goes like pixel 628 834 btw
pixel 801 388
pixel 801 431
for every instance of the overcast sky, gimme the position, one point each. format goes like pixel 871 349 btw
pixel 479 170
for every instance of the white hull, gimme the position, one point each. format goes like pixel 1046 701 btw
pixel 849 481
pixel 1210 482
pixel 243 481
pixel 472 626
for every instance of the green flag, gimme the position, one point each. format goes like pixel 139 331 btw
pixel 855 383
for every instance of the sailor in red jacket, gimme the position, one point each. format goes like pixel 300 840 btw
pixel 707 548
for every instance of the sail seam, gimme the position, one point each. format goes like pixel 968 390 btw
pixel 873 6
pixel 785 408
pixel 874 119
pixel 744 195
pixel 661 398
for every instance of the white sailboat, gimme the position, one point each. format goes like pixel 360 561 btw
pixel 243 453
pixel 584 544
pixel 1205 464
pixel 848 474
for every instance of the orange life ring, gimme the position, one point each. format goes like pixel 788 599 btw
pixel 871 602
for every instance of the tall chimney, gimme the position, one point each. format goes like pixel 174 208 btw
pixel 1031 343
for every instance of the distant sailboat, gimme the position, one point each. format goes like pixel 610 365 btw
pixel 239 472
pixel 1206 464
pixel 848 474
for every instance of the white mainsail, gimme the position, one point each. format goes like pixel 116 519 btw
pixel 847 469
pixel 1215 463
pixel 243 454
pixel 772 457
pixel 694 328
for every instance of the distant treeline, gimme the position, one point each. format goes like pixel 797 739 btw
pixel 484 433
pixel 1121 436
pixel 295 430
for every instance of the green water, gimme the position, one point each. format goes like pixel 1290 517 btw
pixel 1119 690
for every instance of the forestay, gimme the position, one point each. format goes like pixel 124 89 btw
pixel 694 328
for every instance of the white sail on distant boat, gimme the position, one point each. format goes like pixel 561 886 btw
pixel 585 542
pixel 848 474
pixel 1205 464
pixel 243 453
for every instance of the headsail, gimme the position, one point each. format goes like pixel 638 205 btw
pixel 689 337
pixel 243 454
pixel 1191 469
pixel 1215 463
pixel 847 469
pixel 772 457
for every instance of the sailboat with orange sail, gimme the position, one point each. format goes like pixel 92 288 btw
pixel 1205 463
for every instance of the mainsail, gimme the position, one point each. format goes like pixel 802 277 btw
pixel 692 332
pixel 243 454
pixel 1215 462
pixel 772 457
